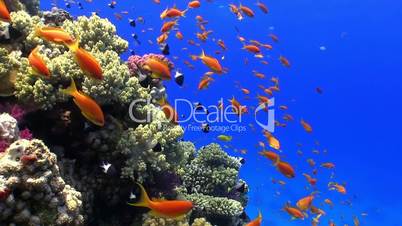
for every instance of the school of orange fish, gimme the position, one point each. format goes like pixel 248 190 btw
pixel 170 17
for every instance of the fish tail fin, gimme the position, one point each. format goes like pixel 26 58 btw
pixel 37 31
pixel 259 214
pixel 183 13
pixel 71 90
pixel 202 54
pixel 73 46
pixel 144 199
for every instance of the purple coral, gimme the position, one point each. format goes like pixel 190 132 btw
pixel 26 134
pixel 14 110
pixel 3 145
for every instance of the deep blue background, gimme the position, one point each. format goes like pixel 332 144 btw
pixel 357 119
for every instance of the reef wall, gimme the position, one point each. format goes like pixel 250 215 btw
pixel 76 173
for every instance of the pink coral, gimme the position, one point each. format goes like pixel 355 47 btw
pixel 26 134
pixel 14 110
pixel 136 63
pixel 3 145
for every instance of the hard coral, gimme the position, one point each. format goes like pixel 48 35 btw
pixel 36 188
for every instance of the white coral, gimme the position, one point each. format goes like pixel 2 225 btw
pixel 8 128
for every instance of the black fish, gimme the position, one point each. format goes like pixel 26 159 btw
pixel 179 78
pixel 165 49
pixel 132 22
pixel 205 128
pixel 240 187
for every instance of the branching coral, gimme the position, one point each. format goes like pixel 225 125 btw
pixel 37 195
pixel 215 206
pixel 213 172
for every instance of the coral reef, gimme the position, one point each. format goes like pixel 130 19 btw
pixel 36 194
pixel 71 172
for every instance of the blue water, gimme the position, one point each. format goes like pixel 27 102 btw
pixel 357 118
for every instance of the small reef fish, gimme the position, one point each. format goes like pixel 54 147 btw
pixel 89 108
pixel 167 26
pixel 158 68
pixel 270 155
pixel 194 4
pixel 307 127
pixel 87 62
pixel 285 62
pixel 285 168
pixel 38 64
pixel 272 141
pixel 172 13
pixel 54 34
pixel 274 37
pixel 4 13
pixel 295 213
pixel 163 208
pixel 257 221
pixel 263 7
pixel 312 181
pixel 237 107
pixel 252 48
pixel 225 138
pixel 328 165
pixel 305 203
pixel 211 62
pixel 204 83
pixel 339 188
pixel 246 10
pixel 179 35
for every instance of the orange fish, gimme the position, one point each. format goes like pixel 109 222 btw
pixel 169 111
pixel 37 63
pixel 162 38
pixel 179 35
pixel 194 4
pixel 307 127
pixel 204 83
pixel 158 68
pixel 163 208
pixel 235 10
pixel 54 34
pixel 88 63
pixel 246 10
pixel 267 46
pixel 328 165
pixel 285 168
pixel 272 141
pixel 274 37
pixel 263 7
pixel 89 108
pixel 310 180
pixel 211 62
pixel 316 210
pixel 257 221
pixel 294 212
pixel 328 202
pixel 270 155
pixel 252 48
pixel 172 13
pixel 4 13
pixel 283 107
pixel 305 203
pixel 222 44
pixel 167 26
pixel 245 91
pixel 285 62
pixel 237 107
pixel 339 188
pixel 263 100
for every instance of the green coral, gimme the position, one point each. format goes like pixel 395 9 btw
pixel 137 145
pixel 212 172
pixel 211 205
pixel 96 35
